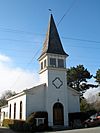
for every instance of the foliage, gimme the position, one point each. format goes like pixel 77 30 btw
pixel 32 121
pixel 97 106
pixel 97 77
pixel 85 106
pixel 92 103
pixel 32 116
pixel 7 122
pixel 77 78
pixel 16 125
pixel 5 95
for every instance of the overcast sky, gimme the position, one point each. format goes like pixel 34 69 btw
pixel 23 25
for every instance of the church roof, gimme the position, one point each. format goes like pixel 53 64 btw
pixel 52 43
pixel 26 91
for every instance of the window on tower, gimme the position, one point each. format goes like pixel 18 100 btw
pixel 41 65
pixel 45 63
pixel 53 62
pixel 60 63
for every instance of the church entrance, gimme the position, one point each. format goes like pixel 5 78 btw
pixel 58 114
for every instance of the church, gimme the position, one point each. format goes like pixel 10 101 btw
pixel 52 95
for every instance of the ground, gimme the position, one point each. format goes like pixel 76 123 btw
pixel 86 130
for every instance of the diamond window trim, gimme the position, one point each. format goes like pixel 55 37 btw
pixel 57 82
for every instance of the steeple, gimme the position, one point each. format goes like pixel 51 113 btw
pixel 52 43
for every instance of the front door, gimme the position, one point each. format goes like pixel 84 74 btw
pixel 58 114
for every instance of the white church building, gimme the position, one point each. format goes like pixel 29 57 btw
pixel 53 95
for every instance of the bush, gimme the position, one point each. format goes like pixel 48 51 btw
pixel 79 117
pixel 16 125
pixel 26 127
pixel 29 124
pixel 32 121
pixel 7 122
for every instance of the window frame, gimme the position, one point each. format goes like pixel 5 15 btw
pixel 14 110
pixel 20 115
pixel 41 65
pixel 53 62
pixel 45 63
pixel 10 111
pixel 61 64
pixel 39 123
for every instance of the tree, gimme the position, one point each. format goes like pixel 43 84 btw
pixel 85 105
pixel 97 106
pixel 97 77
pixel 77 78
pixel 5 95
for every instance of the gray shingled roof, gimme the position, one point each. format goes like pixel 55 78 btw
pixel 52 42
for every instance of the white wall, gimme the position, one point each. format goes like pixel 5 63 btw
pixel 43 74
pixel 33 100
pixel 43 77
pixel 54 95
pixel 36 100
pixel 17 100
pixel 73 101
pixel 4 114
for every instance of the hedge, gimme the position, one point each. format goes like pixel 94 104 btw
pixel 16 125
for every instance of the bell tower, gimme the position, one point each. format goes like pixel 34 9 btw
pixel 53 72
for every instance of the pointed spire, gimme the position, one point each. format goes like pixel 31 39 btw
pixel 52 42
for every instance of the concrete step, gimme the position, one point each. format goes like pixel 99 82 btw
pixel 59 127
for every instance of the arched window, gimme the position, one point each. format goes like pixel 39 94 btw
pixel 14 110
pixel 10 111
pixel 20 109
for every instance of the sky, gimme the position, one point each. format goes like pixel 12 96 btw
pixel 23 25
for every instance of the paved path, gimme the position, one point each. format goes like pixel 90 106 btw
pixel 87 130
pixel 5 130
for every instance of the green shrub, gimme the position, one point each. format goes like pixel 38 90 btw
pixel 29 124
pixel 7 122
pixel 32 121
pixel 26 127
pixel 16 125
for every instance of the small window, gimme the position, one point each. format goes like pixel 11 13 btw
pixel 39 121
pixel 41 65
pixel 10 111
pixel 14 110
pixel 53 62
pixel 45 63
pixel 20 109
pixel 61 63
